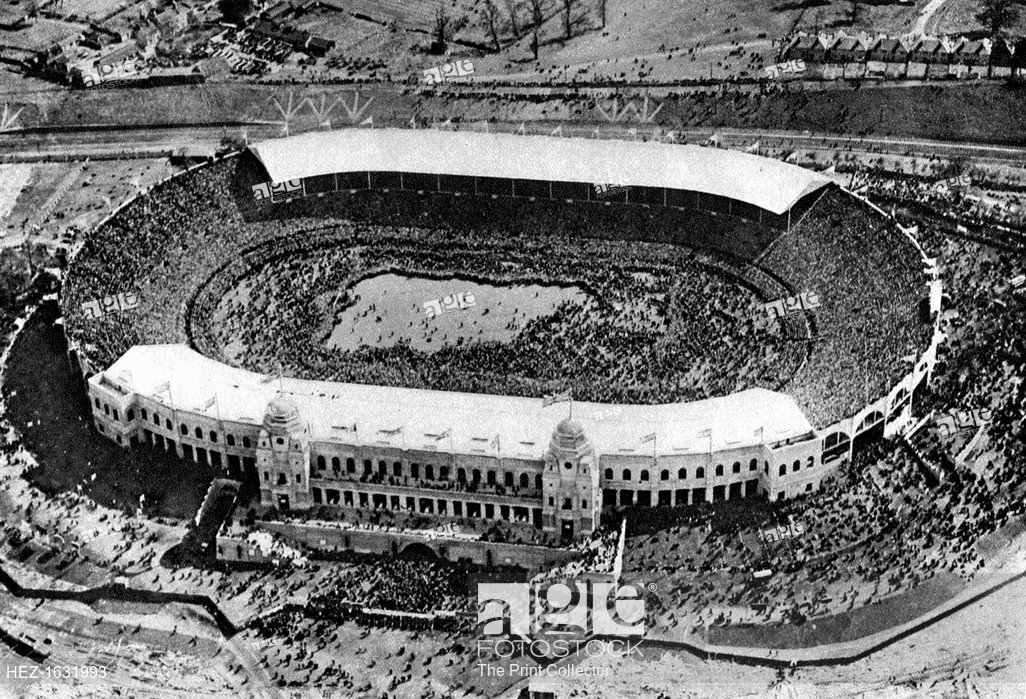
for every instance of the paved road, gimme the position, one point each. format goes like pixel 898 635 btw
pixel 204 140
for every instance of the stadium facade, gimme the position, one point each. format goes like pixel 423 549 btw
pixel 313 443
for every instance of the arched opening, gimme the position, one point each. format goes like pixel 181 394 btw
pixel 418 552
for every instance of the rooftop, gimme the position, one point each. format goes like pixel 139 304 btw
pixel 467 423
pixel 770 184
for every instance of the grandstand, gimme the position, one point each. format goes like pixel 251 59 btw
pixel 855 362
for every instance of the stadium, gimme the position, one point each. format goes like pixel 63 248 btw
pixel 652 366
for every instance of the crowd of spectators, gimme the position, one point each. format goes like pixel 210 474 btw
pixel 870 281
pixel 660 322
pixel 887 524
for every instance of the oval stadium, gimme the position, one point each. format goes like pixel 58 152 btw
pixel 519 328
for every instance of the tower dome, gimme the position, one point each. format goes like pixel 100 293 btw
pixel 568 435
pixel 282 416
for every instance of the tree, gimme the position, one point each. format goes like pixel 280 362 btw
pixel 602 12
pixel 537 17
pixel 235 11
pixel 490 18
pixel 512 7
pixel 568 8
pixel 998 15
pixel 441 29
pixel 854 10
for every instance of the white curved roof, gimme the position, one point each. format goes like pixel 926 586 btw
pixel 770 184
pixel 413 418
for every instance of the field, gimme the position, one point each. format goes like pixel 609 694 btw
pixel 382 304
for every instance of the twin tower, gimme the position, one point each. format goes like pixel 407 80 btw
pixel 568 502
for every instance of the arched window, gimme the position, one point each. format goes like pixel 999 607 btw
pixel 382 467
pixel 475 476
pixel 783 469
pixel 508 479
pixel 106 409
pixel 167 425
pixel 414 470
pixel 525 481
pixel 682 473
pixel 198 432
pixel 144 414
pixel 609 474
pixel 644 474
pixel 321 463
pixel 213 436
pixel 538 482
pixel 719 469
pixel 351 465
pixel 736 468
pixel 664 475
pixel 183 429
pixel 626 474
pixel 429 471
pixel 336 464
pixel 700 473
pixel 811 462
pixel 753 464
pixel 443 473
pixel 246 443
pixel 156 419
pixel 461 475
pixel 130 415
pixel 231 440
pixel 367 466
pixel 796 465
pixel 491 477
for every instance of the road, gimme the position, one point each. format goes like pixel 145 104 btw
pixel 202 140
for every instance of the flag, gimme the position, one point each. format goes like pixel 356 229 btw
pixel 648 437
pixel 561 397
pixel 209 403
pixel 706 432
pixel 447 433
pixel 166 386
pixel 495 443
pixel 397 430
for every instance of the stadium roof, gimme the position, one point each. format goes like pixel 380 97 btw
pixel 770 184
pixel 415 418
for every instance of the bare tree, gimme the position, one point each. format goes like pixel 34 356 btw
pixel 512 8
pixel 537 17
pixel 854 10
pixel 441 27
pixel 490 19
pixel 568 8
pixel 998 15
pixel 602 12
